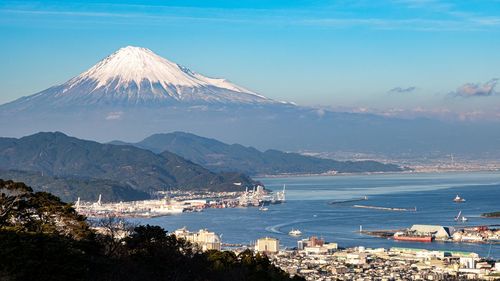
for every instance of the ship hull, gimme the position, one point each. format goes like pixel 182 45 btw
pixel 414 238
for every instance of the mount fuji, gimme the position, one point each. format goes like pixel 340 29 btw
pixel 134 76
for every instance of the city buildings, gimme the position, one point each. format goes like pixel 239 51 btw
pixel 362 263
pixel 267 245
pixel 205 239
pixel 314 245
pixel 315 259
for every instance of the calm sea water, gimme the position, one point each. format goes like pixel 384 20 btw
pixel 307 209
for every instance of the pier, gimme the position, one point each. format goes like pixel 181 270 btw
pixel 389 233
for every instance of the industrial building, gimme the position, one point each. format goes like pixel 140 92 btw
pixel 437 231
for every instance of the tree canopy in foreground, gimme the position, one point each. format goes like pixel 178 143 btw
pixel 43 238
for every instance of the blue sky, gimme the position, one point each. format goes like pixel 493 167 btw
pixel 394 57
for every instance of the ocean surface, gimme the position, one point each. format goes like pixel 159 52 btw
pixel 307 208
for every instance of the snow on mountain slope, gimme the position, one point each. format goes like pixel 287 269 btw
pixel 137 76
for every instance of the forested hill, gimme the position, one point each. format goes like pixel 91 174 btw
pixel 60 156
pixel 219 156
pixel 70 188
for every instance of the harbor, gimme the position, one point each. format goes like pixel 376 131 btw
pixel 307 209
pixel 177 202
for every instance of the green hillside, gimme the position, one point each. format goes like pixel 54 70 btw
pixel 125 168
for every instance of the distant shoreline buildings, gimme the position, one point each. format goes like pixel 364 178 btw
pixel 179 202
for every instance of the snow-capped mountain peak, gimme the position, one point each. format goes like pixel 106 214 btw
pixel 136 64
pixel 138 76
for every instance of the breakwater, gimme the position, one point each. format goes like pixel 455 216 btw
pixel 386 208
pixel 348 200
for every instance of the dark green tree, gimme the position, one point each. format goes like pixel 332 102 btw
pixel 40 212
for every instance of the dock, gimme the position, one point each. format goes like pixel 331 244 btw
pixel 380 233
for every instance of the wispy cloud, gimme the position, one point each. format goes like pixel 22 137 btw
pixel 432 5
pixel 312 16
pixel 401 90
pixel 477 89
pixel 441 113
pixel 117 115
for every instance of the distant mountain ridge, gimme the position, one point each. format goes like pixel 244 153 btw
pixel 218 156
pixel 58 155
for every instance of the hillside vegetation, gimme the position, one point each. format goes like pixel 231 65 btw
pixel 70 188
pixel 65 165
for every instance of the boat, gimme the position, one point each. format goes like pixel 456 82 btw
pixel 458 199
pixel 263 208
pixel 461 218
pixel 414 237
pixel 295 232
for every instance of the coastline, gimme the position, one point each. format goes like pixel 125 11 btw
pixel 447 171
